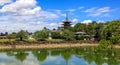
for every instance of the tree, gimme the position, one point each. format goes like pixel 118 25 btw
pixel 98 29
pixel 91 28
pixel 69 28
pixel 80 37
pixel 56 35
pixel 104 44
pixel 2 34
pixel 21 35
pixel 110 28
pixel 41 35
pixel 9 37
pixel 115 38
pixel 6 33
pixel 68 35
pixel 80 27
pixel 13 35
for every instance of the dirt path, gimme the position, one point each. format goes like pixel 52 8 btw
pixel 36 46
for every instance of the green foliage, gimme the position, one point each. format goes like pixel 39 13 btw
pixel 12 35
pixel 91 29
pixel 115 38
pixel 41 55
pixel 9 37
pixel 41 35
pixel 55 52
pixel 21 35
pixel 80 37
pixel 98 29
pixel 55 40
pixel 21 56
pixel 6 40
pixel 30 40
pixel 68 35
pixel 69 28
pixel 56 35
pixel 111 28
pixel 66 54
pixel 80 27
pixel 105 44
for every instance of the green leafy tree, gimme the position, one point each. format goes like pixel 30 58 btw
pixel 110 28
pixel 9 37
pixel 21 35
pixel 69 28
pixel 115 38
pixel 80 37
pixel 80 27
pixel 92 29
pixel 56 35
pixel 68 35
pixel 98 29
pixel 105 44
pixel 13 35
pixel 41 35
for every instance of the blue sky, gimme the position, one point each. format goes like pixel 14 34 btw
pixel 33 15
pixel 84 5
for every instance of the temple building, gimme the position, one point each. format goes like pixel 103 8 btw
pixel 66 23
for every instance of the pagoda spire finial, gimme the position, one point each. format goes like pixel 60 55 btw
pixel 66 16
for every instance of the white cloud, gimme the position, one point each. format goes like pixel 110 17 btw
pixel 60 13
pixel 104 9
pixel 3 2
pixel 90 10
pixel 81 7
pixel 71 10
pixel 30 26
pixel 100 21
pixel 26 15
pixel 26 62
pixel 48 15
pixel 53 24
pixel 99 11
pixel 30 11
pixel 74 20
pixel 86 21
pixel 19 6
pixel 24 7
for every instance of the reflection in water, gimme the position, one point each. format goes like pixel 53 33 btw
pixel 76 56
pixel 21 56
pixel 40 55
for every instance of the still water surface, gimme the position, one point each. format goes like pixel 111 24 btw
pixel 74 56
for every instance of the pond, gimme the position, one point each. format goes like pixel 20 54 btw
pixel 67 56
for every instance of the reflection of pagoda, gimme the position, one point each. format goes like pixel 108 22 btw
pixel 66 23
